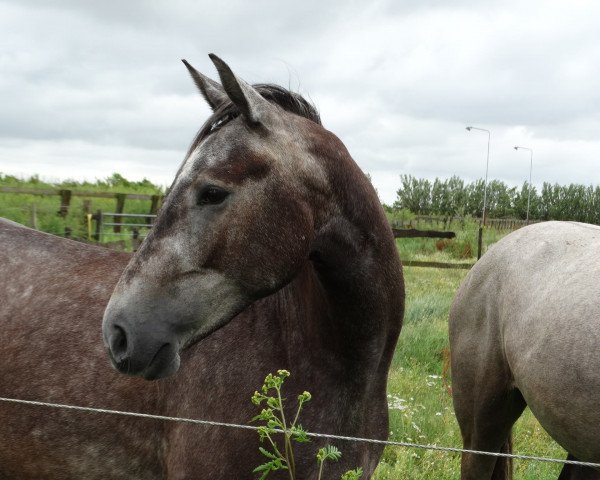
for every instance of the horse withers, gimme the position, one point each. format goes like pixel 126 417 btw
pixel 525 331
pixel 271 251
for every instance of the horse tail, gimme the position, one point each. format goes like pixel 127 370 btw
pixel 504 465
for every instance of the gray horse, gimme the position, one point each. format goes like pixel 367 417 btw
pixel 271 251
pixel 525 330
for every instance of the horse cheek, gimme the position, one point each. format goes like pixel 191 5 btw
pixel 276 253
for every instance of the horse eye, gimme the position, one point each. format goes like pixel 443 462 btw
pixel 212 195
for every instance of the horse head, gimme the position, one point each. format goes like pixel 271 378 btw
pixel 237 224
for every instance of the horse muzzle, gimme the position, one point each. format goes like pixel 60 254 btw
pixel 145 327
pixel 148 352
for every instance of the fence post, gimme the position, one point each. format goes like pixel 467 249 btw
pixel 154 204
pixel 98 218
pixel 120 205
pixel 34 222
pixel 65 200
pixel 87 218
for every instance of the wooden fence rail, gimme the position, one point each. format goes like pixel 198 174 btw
pixel 128 220
pixel 414 233
pixel 455 266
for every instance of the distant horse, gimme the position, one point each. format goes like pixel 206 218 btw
pixel 271 251
pixel 525 330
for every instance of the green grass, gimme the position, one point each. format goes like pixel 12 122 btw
pixel 420 404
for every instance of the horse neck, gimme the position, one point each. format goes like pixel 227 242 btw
pixel 355 253
pixel 346 303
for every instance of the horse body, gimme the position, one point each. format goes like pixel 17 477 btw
pixel 524 330
pixel 53 293
pixel 270 252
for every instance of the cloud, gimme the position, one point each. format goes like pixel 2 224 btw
pixel 82 82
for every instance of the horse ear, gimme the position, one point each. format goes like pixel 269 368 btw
pixel 253 106
pixel 210 90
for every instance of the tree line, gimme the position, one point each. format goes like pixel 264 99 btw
pixel 453 197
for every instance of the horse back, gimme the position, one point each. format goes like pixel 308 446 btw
pixel 41 267
pixel 551 268
pixel 52 297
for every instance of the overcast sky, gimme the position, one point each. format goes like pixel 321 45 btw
pixel 88 88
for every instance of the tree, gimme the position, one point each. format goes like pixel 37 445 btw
pixel 452 197
pixel 520 202
pixel 474 198
pixel 414 195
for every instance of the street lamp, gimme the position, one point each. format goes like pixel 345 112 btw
pixel 487 164
pixel 529 185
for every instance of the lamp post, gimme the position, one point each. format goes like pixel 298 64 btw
pixel 487 164
pixel 529 184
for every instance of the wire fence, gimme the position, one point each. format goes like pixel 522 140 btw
pixel 310 434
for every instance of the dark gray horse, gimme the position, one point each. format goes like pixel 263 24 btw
pixel 271 251
pixel 525 330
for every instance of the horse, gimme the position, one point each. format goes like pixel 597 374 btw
pixel 270 251
pixel 525 331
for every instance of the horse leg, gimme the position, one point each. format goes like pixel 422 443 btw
pixel 486 411
pixel 576 472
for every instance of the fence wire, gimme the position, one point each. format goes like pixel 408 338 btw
pixel 310 434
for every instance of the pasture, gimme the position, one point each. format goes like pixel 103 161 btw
pixel 418 391
pixel 420 405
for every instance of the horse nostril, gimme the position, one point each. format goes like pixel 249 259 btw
pixel 118 343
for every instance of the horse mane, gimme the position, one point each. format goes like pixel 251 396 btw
pixel 290 101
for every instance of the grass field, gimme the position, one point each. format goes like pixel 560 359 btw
pixel 420 405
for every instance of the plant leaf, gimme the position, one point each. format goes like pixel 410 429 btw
pixel 299 434
pixel 268 454
pixel 352 474
pixel 329 453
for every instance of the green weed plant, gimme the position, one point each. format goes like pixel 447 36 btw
pixel 274 421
